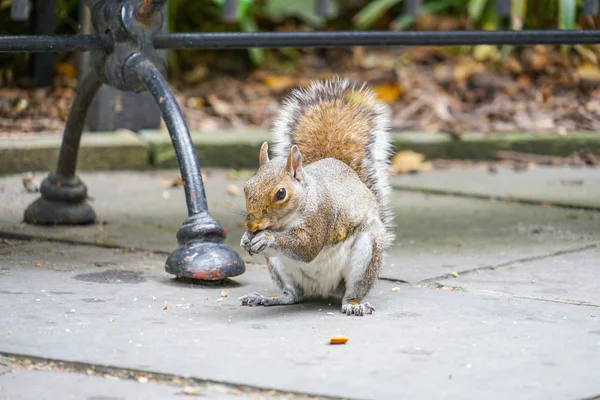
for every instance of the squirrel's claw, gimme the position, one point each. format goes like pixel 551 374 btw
pixel 245 242
pixel 260 242
pixel 255 243
pixel 253 299
pixel 357 309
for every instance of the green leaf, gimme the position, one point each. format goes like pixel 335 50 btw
pixel 507 49
pixel 243 6
pixel 476 8
pixel 277 10
pixel 372 12
pixel 567 10
pixel 248 24
pixel 518 10
pixel 404 21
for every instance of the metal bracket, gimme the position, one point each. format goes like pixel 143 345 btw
pixel 133 64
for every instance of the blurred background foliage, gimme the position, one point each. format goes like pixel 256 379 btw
pixel 479 88
pixel 285 15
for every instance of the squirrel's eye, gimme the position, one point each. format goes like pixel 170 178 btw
pixel 280 195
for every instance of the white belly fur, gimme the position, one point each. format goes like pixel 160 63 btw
pixel 322 276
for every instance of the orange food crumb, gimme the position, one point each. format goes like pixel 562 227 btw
pixel 38 264
pixel 165 308
pixel 338 340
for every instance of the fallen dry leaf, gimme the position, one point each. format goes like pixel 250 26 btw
pixel 194 102
pixel 407 161
pixel 280 83
pixel 538 61
pixel 31 185
pixel 589 72
pixel 172 182
pixel 455 274
pixel 19 106
pixel 66 70
pixel 219 106
pixel 387 92
pixel 464 70
pixel 165 308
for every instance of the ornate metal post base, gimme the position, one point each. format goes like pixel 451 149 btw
pixel 63 202
pixel 133 64
pixel 201 253
pixel 64 195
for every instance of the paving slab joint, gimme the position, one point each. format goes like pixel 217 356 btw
pixel 26 360
pixel 488 197
pixel 458 274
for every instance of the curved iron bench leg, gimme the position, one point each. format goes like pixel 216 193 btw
pixel 64 195
pixel 201 253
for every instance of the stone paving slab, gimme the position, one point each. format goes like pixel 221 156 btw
pixel 48 385
pixel 436 235
pixel 139 212
pixel 570 278
pixel 578 187
pixel 439 235
pixel 97 305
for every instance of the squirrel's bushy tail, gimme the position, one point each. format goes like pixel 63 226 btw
pixel 339 119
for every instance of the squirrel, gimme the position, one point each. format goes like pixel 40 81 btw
pixel 318 211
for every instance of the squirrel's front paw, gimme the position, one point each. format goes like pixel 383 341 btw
pixel 357 309
pixel 260 241
pixel 246 240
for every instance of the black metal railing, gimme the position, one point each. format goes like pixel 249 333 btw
pixel 124 55
pixel 60 43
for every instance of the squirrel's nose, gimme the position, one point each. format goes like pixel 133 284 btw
pixel 254 225
pixel 251 224
pixel 251 227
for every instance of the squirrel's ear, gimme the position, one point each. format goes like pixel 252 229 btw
pixel 294 163
pixel 263 156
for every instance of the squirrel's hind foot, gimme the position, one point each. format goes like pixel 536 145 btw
pixel 257 299
pixel 254 299
pixel 357 309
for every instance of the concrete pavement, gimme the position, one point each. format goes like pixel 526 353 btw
pixel 478 299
